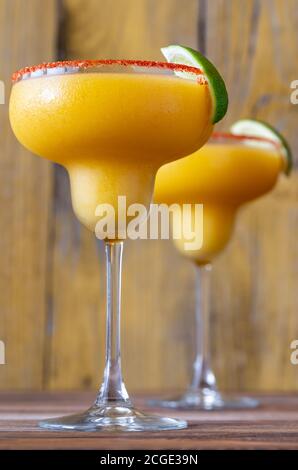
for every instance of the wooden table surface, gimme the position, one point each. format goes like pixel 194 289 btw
pixel 274 425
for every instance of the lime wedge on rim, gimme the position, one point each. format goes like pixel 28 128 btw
pixel 186 56
pixel 256 128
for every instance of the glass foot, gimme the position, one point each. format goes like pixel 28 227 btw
pixel 112 418
pixel 206 400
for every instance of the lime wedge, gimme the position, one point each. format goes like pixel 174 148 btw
pixel 256 128
pixel 187 56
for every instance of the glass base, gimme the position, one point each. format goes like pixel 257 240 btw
pixel 112 418
pixel 206 400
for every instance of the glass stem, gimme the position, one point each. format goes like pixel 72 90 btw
pixel 113 391
pixel 203 378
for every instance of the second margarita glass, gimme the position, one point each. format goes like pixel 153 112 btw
pixel 229 171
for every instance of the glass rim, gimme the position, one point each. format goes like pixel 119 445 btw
pixel 243 138
pixel 77 66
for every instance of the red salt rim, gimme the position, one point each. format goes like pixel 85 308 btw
pixel 85 64
pixel 243 137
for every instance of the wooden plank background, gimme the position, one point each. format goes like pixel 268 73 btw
pixel 27 34
pixel 51 281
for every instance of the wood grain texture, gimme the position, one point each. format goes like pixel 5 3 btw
pixel 51 280
pixel 127 28
pixel 273 426
pixel 254 287
pixel 253 313
pixel 27 35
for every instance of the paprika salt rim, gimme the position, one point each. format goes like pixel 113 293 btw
pixel 86 64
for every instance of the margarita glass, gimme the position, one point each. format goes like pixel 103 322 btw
pixel 226 173
pixel 111 124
